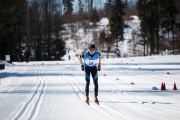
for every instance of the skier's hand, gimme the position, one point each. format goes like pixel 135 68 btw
pixel 99 67
pixel 82 67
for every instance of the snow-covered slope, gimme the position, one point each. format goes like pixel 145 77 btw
pixel 5 62
pixel 54 90
pixel 80 35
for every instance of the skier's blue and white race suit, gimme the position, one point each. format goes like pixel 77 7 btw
pixel 90 64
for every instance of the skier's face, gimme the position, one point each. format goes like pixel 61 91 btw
pixel 91 51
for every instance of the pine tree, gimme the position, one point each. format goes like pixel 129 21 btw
pixel 156 16
pixel 20 27
pixel 60 47
pixel 68 9
pixel 108 8
pixel 11 26
pixel 41 19
pixel 149 14
pixel 141 6
pixel 94 16
pixel 7 7
pixel 169 13
pixel 60 43
pixel 102 37
pixel 81 10
pixel 116 21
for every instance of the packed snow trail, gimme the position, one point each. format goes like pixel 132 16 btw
pixel 55 91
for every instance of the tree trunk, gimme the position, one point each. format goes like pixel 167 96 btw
pixel 144 46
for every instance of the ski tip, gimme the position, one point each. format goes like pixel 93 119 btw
pixel 97 102
pixel 87 103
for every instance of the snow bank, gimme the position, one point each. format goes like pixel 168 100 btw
pixel 147 59
pixel 104 21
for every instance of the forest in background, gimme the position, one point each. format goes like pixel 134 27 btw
pixel 36 25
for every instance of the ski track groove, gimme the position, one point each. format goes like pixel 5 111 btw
pixel 158 77
pixel 151 103
pixel 60 72
pixel 125 115
pixel 83 95
pixel 40 97
pixel 70 83
pixel 28 111
pixel 104 107
pixel 45 112
pixel 138 100
pixel 149 76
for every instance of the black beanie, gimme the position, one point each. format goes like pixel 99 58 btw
pixel 92 46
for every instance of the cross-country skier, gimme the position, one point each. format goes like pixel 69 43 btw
pixel 91 63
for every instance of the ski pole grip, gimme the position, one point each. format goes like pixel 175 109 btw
pixel 99 67
pixel 82 67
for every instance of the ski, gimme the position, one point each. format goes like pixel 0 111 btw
pixel 97 102
pixel 87 102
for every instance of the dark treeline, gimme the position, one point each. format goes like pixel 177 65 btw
pixel 34 26
pixel 160 22
pixel 31 27
pixel 28 27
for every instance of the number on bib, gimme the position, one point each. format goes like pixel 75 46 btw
pixel 90 63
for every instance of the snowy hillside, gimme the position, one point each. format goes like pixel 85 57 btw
pixel 78 37
pixel 129 89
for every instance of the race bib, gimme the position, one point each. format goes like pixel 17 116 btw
pixel 91 62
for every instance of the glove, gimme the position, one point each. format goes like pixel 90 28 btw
pixel 82 67
pixel 99 67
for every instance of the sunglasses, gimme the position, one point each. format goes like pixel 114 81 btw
pixel 92 50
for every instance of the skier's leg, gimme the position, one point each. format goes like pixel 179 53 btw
pixel 95 80
pixel 87 77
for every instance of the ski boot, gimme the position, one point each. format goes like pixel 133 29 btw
pixel 96 100
pixel 87 100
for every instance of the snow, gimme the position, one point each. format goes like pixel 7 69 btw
pixel 81 37
pixel 54 90
pixel 104 21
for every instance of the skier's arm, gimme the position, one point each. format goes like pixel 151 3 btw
pixel 100 56
pixel 99 63
pixel 81 61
